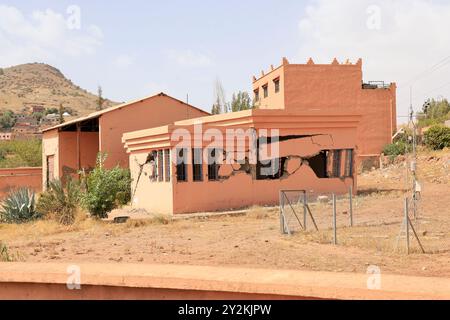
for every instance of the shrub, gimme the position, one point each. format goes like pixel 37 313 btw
pixel 396 149
pixel 437 137
pixel 60 203
pixel 21 153
pixel 106 189
pixel 19 207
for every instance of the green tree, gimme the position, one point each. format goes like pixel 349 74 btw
pixel 8 120
pixel 241 101
pixel 434 112
pixel 437 137
pixel 2 72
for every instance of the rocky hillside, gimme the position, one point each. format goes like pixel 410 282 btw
pixel 43 84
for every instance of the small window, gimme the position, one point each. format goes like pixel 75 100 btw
pixel 160 166
pixel 276 82
pixel 213 166
pixel 197 164
pixel 266 91
pixel 256 95
pixel 181 165
pixel 167 165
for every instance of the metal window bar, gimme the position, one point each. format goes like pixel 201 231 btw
pixel 197 164
pixel 167 164
pixel 213 166
pixel 181 165
pixel 160 166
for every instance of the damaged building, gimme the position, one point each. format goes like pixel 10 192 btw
pixel 330 123
pixel 176 169
pixel 73 146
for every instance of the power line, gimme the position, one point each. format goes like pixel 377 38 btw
pixel 442 63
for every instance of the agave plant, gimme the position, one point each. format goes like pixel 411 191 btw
pixel 19 207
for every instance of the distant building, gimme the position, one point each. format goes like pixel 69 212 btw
pixel 31 108
pixel 5 136
pixel 25 131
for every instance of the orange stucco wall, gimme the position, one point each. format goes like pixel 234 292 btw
pixel 68 152
pixel 236 188
pixel 13 179
pixel 336 88
pixel 154 112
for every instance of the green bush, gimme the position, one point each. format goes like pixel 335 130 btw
pixel 19 207
pixel 21 153
pixel 60 203
pixel 396 149
pixel 437 137
pixel 106 189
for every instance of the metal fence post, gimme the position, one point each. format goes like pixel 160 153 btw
pixel 334 219
pixel 351 206
pixel 281 214
pixel 304 210
pixel 407 223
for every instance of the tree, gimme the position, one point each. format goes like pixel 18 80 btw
pixel 8 120
pixel 241 101
pixel 220 105
pixel 435 112
pixel 2 72
pixel 100 99
pixel 61 114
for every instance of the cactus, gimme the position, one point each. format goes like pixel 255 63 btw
pixel 19 207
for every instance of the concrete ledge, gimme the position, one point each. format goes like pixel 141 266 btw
pixel 133 281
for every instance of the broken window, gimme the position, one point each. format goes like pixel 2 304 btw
pixel 160 166
pixel 167 165
pixel 270 169
pixel 318 164
pixel 182 165
pixel 213 165
pixel 337 159
pixel 349 163
pixel 197 164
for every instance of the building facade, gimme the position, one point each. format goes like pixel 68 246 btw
pixel 330 88
pixel 240 159
pixel 73 146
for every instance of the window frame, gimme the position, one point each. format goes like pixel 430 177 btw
pixel 182 175
pixel 197 168
pixel 276 83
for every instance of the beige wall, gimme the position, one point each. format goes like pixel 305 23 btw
pixel 50 147
pixel 274 100
pixel 145 193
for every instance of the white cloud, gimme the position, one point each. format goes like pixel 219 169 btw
pixel 123 61
pixel 405 39
pixel 188 58
pixel 43 36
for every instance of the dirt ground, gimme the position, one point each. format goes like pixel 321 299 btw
pixel 254 239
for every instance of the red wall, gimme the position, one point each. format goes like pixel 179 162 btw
pixel 11 179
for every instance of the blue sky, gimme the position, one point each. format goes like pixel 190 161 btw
pixel 136 48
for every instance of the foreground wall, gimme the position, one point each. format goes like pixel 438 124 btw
pixel 178 282
pixel 12 179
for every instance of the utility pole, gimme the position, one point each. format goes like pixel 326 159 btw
pixel 412 121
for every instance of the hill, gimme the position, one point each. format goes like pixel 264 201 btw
pixel 38 83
